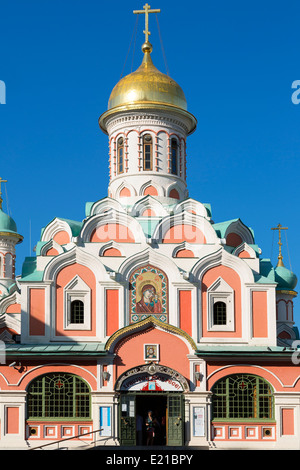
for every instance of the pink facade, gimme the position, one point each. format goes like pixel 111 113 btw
pixel 148 303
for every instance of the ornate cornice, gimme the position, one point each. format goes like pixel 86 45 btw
pixel 149 321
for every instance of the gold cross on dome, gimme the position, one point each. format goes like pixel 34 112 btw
pixel 146 11
pixel 279 228
pixel 1 181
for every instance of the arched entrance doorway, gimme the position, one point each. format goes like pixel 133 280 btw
pixel 155 388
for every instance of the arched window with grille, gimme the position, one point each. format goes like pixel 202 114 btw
pixel 174 156
pixel 120 155
pixel 219 313
pixel 77 312
pixel 242 396
pixel 59 396
pixel 147 152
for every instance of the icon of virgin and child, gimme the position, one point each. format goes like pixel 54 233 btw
pixel 149 302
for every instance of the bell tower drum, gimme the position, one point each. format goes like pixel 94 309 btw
pixel 147 123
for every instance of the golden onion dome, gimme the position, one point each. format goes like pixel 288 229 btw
pixel 147 85
pixel 148 88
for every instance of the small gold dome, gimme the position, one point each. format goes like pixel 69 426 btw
pixel 147 85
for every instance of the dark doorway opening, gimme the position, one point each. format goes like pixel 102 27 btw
pixel 158 405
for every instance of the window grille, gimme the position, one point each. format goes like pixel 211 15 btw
pixel 58 396
pixel 242 397
pixel 77 311
pixel 219 313
pixel 147 149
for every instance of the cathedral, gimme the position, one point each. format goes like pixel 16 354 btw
pixel 147 323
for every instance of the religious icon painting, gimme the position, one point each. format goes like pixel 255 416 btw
pixel 151 352
pixel 148 294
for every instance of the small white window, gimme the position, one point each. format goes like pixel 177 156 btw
pixel 77 305
pixel 220 302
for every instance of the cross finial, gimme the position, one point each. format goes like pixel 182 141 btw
pixel 279 228
pixel 1 200
pixel 146 11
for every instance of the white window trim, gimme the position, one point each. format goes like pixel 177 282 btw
pixel 220 291
pixel 77 289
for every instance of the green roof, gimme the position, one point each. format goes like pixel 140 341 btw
pixel 148 224
pixel 56 349
pixel 231 350
pixel 221 227
pixel 285 278
pixel 7 224
pixel 29 272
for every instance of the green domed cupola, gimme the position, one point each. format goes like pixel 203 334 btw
pixel 285 278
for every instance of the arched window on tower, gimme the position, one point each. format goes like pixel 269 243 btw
pixel 174 157
pixel 120 155
pixel 219 313
pixel 147 152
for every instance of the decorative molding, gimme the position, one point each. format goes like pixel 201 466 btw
pixel 244 247
pixel 112 244
pixel 105 205
pixel 222 257
pixel 143 324
pixel 148 202
pixel 146 119
pixel 51 244
pixel 150 256
pixel 75 255
pixel 111 217
pixel 55 226
pixel 239 228
pixel 185 218
pixel 189 205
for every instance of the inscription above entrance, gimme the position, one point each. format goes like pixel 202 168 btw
pixel 156 383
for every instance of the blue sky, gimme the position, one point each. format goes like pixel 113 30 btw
pixel 236 62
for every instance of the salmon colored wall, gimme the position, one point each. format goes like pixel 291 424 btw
pixel 130 351
pixel 151 191
pixel 259 314
pixel 174 193
pixel 52 252
pixel 14 308
pixel 116 232
pixel 112 252
pixel 233 280
pixel 112 311
pixel 56 429
pixel 64 277
pixel 62 237
pixel 185 254
pixel 148 213
pixel 185 311
pixel 37 312
pixel 186 232
pixel 244 254
pixel 12 379
pixel 125 192
pixel 287 417
pixel 12 420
